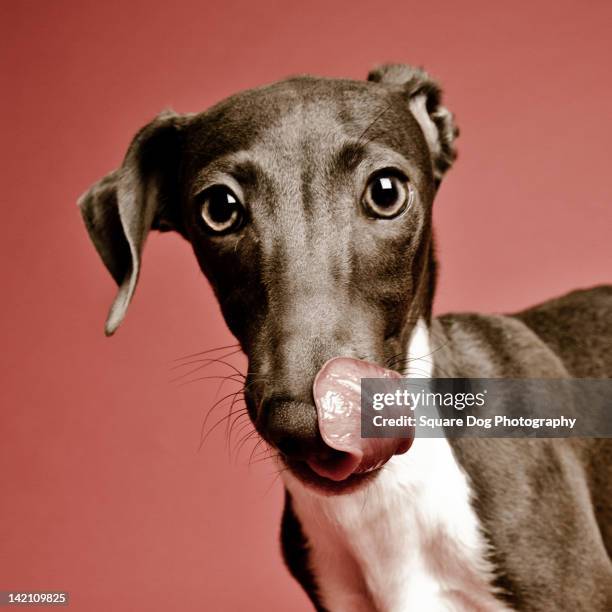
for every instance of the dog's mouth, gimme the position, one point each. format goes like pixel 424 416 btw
pixel 311 479
pixel 350 460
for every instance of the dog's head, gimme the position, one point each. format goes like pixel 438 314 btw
pixel 308 206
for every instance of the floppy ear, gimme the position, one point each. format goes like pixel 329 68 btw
pixel 120 209
pixel 425 100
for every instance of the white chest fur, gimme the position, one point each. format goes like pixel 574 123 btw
pixel 409 541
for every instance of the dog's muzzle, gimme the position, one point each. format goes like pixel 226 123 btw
pixel 327 435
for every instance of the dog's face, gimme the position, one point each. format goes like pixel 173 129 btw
pixel 308 206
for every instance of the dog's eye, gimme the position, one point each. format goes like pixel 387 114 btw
pixel 221 210
pixel 387 195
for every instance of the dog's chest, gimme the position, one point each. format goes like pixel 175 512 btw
pixel 408 541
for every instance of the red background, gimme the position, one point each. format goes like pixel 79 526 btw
pixel 104 492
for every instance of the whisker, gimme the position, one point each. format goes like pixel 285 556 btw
pixel 210 411
pixel 373 122
pixel 229 365
pixel 205 364
pixel 394 359
pixel 249 436
pixel 225 378
pixel 204 360
pixel 235 399
pixel 243 429
pixel 210 431
pixel 264 454
pixel 276 477
pixel 199 378
pixel 239 414
pixel 255 447
pixel 212 350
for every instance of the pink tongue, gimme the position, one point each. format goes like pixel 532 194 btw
pixel 337 395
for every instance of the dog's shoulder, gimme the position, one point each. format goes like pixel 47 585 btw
pixel 470 345
pixel 578 327
pixel 569 336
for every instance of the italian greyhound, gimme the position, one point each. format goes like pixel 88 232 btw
pixel 308 204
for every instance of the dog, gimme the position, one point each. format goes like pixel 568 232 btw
pixel 308 204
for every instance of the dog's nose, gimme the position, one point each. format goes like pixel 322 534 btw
pixel 292 427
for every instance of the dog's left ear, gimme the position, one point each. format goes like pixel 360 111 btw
pixel 121 209
pixel 425 101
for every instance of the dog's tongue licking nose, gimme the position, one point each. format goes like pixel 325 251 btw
pixel 337 395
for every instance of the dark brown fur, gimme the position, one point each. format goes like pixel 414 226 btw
pixel 310 276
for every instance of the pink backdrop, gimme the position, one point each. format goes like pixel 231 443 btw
pixel 104 491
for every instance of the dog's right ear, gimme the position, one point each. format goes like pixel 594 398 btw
pixel 425 101
pixel 120 209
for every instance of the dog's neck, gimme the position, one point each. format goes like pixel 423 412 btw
pixel 409 540
pixel 425 279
